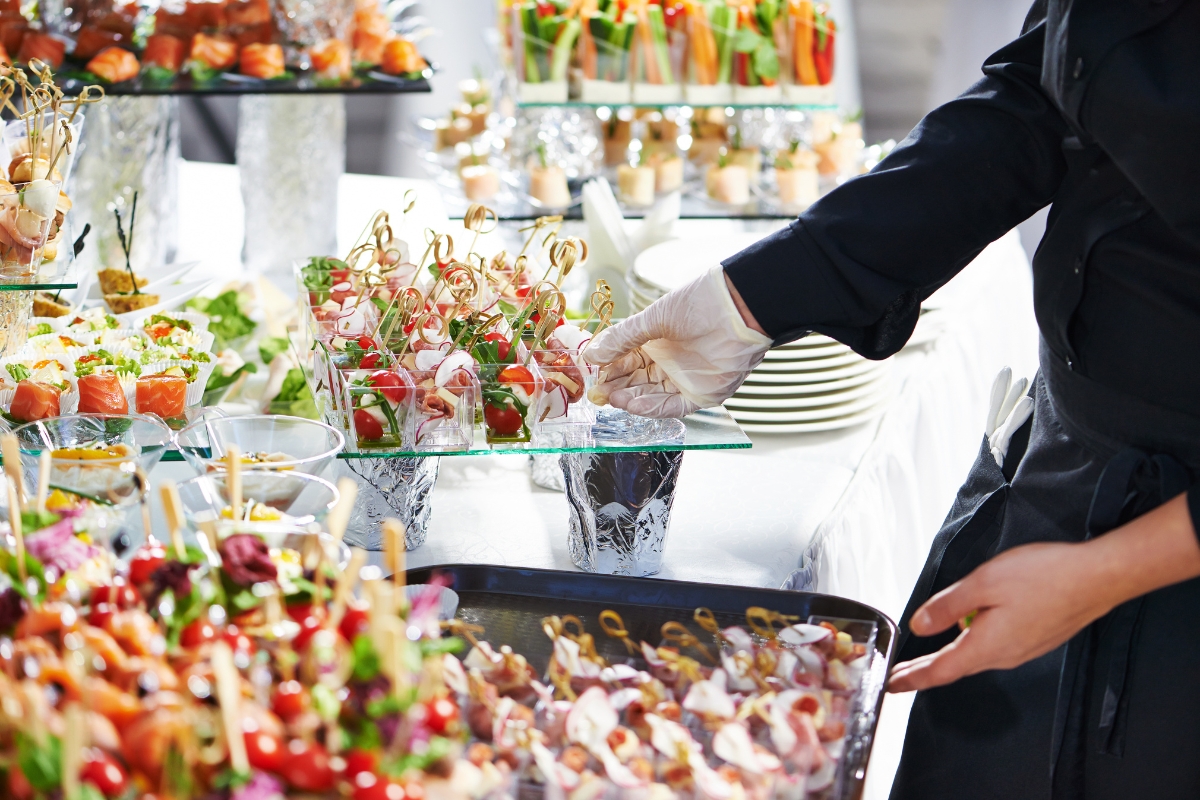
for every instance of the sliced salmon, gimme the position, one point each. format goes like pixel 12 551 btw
pixel 33 401
pixel 165 51
pixel 114 64
pixel 178 25
pixel 92 39
pixel 13 28
pixel 101 393
pixel 331 59
pixel 214 52
pixel 164 395
pixel 5 58
pixel 43 47
pixel 206 14
pixel 371 30
pixel 400 57
pixel 248 12
pixel 262 61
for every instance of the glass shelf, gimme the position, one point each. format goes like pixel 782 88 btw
pixel 676 104
pixel 370 82
pixel 709 429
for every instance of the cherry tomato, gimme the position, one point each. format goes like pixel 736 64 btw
pixel 503 346
pixel 359 761
pixel 306 767
pixel 369 429
pixel 145 561
pixel 369 361
pixel 441 715
pixel 237 640
pixel 389 384
pixel 18 784
pixel 291 700
pixel 504 421
pixel 264 751
pixel 197 633
pixel 365 342
pixel 119 594
pixel 517 376
pixel 308 626
pixel 101 614
pixel 354 622
pixel 369 786
pixel 102 771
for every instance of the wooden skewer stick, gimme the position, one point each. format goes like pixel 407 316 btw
pixel 396 551
pixel 173 510
pixel 229 698
pixel 14 520
pixel 339 516
pixel 73 743
pixel 345 587
pixel 43 488
pixel 11 452
pixel 233 480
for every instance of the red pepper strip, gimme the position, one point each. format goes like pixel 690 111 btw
pixel 823 47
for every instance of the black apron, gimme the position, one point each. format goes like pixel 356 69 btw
pixel 1114 713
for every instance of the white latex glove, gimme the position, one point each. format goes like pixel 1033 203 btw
pixel 1009 409
pixel 688 350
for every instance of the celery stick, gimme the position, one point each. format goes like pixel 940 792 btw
pixel 562 49
pixel 658 30
pixel 529 25
pixel 722 25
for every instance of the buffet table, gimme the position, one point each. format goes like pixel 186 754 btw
pixel 849 512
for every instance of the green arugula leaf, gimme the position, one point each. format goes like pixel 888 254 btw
pixel 746 41
pixel 366 660
pixel 42 766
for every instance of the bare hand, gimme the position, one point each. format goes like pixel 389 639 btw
pixel 1028 600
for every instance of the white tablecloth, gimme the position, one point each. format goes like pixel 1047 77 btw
pixel 855 510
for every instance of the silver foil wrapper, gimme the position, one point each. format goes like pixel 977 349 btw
pixel 620 507
pixel 391 487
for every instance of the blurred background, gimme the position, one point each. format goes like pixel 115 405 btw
pixel 911 56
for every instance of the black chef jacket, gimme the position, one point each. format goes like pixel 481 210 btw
pixel 1095 110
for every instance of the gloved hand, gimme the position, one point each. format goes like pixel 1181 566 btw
pixel 688 350
pixel 1009 409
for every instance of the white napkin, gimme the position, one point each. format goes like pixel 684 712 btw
pixel 608 241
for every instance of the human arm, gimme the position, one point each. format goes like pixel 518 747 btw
pixel 1031 599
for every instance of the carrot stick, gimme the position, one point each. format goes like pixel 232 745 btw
pixel 806 68
pixel 647 36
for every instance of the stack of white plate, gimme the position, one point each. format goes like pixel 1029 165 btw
pixel 812 384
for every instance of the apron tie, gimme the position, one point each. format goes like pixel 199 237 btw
pixel 1132 483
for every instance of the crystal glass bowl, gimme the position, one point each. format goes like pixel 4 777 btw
pixel 266 441
pixel 104 457
pixel 299 500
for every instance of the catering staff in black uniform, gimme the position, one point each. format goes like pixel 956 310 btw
pixel 1079 677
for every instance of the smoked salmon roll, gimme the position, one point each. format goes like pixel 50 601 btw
pixel 164 395
pixel 102 393
pixel 33 401
pixel 164 51
pixel 43 47
pixel 214 52
pixel 371 31
pixel 331 60
pixel 400 57
pixel 114 64
pixel 262 61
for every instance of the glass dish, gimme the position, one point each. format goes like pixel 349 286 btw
pixel 443 418
pixel 139 440
pixel 376 405
pixel 567 379
pixel 302 499
pixel 281 442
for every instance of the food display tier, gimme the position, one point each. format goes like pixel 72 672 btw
pixel 737 106
pixel 709 429
pixel 510 604
pixel 232 84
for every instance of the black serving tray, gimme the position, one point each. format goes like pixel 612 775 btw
pixel 510 602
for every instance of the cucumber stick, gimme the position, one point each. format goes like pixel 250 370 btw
pixel 563 46
pixel 658 30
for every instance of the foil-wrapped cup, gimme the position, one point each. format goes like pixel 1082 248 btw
pixel 391 487
pixel 620 505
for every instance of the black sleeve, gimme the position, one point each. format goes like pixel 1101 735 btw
pixel 857 264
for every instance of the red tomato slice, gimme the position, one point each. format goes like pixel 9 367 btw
pixel 517 376
pixel 265 751
pixel 145 561
pixel 369 429
pixel 102 771
pixel 306 767
pixel 503 346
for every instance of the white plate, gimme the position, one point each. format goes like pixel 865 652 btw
pixel 805 353
pixel 170 298
pixel 801 365
pixel 804 389
pixel 812 340
pixel 814 414
pixel 669 265
pixel 835 398
pixel 835 424
pixel 758 378
pixel 158 278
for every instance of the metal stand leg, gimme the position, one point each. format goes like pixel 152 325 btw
pixel 391 487
pixel 620 509
pixel 291 151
